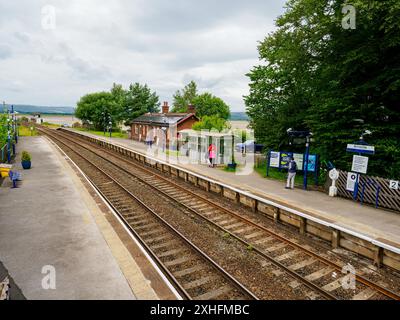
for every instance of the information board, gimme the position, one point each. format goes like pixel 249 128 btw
pixel 285 158
pixel 360 164
pixel 274 159
pixel 299 158
pixel 351 181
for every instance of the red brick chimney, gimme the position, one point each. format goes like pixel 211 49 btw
pixel 165 107
pixel 191 109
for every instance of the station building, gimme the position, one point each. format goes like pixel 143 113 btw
pixel 150 127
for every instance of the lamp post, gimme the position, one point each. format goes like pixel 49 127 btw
pixel 362 141
pixel 110 127
pixel 8 141
pixel 104 123
pixel 307 135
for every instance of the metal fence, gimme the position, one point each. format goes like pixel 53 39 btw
pixel 3 153
pixel 372 190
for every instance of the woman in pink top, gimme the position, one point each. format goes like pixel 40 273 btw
pixel 212 150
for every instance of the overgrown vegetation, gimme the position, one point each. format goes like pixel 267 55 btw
pixel 333 81
pixel 3 129
pixel 212 111
pixel 116 106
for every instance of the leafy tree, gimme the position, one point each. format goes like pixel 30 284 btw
pixel 139 100
pixel 97 108
pixel 208 105
pixel 3 129
pixel 211 122
pixel 332 81
pixel 119 96
pixel 118 105
pixel 185 97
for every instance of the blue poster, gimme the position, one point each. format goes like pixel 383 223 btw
pixel 312 163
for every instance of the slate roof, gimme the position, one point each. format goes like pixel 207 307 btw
pixel 163 119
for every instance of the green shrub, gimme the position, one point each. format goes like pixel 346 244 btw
pixel 25 156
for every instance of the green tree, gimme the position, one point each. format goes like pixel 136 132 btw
pixel 98 109
pixel 208 105
pixel 211 122
pixel 333 81
pixel 3 129
pixel 119 96
pixel 139 100
pixel 182 98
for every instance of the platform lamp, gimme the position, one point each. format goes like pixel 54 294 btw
pixel 307 135
pixel 105 117
pixel 8 141
pixel 110 127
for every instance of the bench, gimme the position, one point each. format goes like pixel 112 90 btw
pixel 14 177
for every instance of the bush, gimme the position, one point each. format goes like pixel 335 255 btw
pixel 26 156
pixel 77 125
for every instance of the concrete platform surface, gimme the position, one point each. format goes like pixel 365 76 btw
pixel 379 224
pixel 46 224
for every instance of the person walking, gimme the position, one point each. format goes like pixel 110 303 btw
pixel 212 150
pixel 291 173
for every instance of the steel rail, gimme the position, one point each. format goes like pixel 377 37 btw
pixel 327 262
pixel 224 273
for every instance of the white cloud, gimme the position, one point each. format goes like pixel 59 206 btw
pixel 164 44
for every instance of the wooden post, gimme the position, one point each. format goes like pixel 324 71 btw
pixel 303 223
pixel 335 238
pixel 208 186
pixel 254 205
pixel 277 213
pixel 237 197
pixel 378 257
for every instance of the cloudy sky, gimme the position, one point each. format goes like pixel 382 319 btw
pixel 92 43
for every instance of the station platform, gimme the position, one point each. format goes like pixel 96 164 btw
pixel 379 224
pixel 52 223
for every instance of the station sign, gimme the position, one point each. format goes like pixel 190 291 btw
pixel 352 179
pixel 360 164
pixel 359 148
pixel 394 185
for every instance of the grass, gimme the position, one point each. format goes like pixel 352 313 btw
pixel 172 153
pixel 101 133
pixel 51 125
pixel 26 131
pixel 275 174
pixel 228 169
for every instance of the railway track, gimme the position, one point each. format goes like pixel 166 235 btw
pixel 192 272
pixel 312 270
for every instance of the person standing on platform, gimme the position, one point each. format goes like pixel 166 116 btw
pixel 212 150
pixel 291 173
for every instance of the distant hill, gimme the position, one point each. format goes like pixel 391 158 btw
pixel 239 116
pixel 21 108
